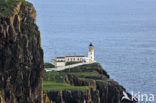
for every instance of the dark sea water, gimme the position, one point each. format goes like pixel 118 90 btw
pixel 122 31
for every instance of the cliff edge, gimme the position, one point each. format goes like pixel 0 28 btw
pixel 88 83
pixel 21 55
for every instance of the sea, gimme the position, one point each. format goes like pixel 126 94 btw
pixel 123 33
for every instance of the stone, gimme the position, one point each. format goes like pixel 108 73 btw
pixel 21 56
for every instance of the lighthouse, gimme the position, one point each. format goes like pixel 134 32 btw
pixel 81 59
pixel 91 53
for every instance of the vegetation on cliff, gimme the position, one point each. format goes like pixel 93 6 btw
pixel 21 55
pixel 70 63
pixel 88 83
pixel 57 86
pixel 48 65
pixel 84 73
pixel 7 9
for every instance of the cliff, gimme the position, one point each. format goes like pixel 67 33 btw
pixel 86 84
pixel 21 55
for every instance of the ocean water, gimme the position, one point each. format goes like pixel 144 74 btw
pixel 123 33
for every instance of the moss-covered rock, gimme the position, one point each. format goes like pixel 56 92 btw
pixel 7 7
pixel 21 55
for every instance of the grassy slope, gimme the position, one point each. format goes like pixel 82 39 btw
pixel 48 65
pixel 56 80
pixel 55 86
pixel 94 73
pixel 70 63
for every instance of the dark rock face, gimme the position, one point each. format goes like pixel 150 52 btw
pixel 74 80
pixel 70 96
pixel 21 56
pixel 103 93
pixel 101 90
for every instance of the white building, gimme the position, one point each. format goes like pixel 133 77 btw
pixel 61 61
pixel 75 58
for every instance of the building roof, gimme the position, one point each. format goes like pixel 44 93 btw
pixel 60 61
pixel 90 44
pixel 60 57
pixel 75 56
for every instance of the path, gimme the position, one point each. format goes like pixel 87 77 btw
pixel 65 67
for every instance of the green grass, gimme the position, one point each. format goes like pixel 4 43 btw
pixel 6 9
pixel 54 76
pixel 85 66
pixel 85 73
pixel 10 3
pixel 51 74
pixel 70 63
pixel 54 86
pixel 86 79
pixel 48 65
pixel 103 80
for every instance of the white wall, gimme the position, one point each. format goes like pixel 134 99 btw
pixel 60 59
pixel 60 64
pixel 75 59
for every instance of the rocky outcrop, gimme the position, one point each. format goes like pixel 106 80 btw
pixel 102 93
pixel 101 89
pixel 21 55
pixel 74 80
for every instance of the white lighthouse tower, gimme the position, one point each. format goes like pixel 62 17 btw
pixel 91 53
